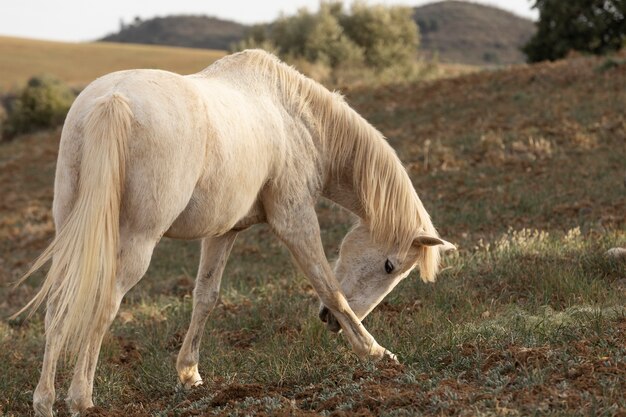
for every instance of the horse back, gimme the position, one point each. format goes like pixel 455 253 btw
pixel 196 157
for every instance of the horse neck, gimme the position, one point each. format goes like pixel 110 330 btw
pixel 366 177
pixel 360 171
pixel 333 142
pixel 341 190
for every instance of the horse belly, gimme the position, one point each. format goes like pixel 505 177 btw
pixel 212 211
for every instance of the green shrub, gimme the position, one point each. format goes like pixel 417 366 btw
pixel 388 35
pixel 42 104
pixel 3 118
pixel 589 26
pixel 366 42
pixel 327 43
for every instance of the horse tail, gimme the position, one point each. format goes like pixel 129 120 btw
pixel 80 285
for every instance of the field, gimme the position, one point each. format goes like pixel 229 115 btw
pixel 524 169
pixel 80 63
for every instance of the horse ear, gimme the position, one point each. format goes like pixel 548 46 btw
pixel 424 239
pixel 447 246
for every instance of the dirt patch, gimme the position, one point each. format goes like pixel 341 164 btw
pixel 132 410
pixel 361 412
pixel 128 352
pixel 241 339
pixel 236 392
pixel 102 412
pixel 385 370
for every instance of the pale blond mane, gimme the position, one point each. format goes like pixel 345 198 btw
pixel 393 210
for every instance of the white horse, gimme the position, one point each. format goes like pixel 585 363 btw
pixel 146 154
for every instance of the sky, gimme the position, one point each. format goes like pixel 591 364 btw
pixel 84 20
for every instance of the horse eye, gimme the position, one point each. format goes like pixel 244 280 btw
pixel 388 266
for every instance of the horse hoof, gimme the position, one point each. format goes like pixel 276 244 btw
pixel 42 402
pixel 42 409
pixel 187 385
pixel 390 356
pixel 77 406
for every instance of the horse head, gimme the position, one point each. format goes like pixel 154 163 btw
pixel 367 271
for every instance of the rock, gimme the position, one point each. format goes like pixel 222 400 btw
pixel 616 253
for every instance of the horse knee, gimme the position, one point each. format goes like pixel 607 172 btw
pixel 213 298
pixel 335 302
pixel 205 301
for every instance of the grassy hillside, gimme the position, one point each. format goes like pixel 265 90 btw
pixel 471 33
pixel 80 63
pixel 522 168
pixel 189 31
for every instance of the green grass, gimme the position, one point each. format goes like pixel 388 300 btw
pixel 527 318
pixel 511 324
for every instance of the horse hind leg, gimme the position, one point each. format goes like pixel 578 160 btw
pixel 133 261
pixel 44 394
pixel 43 397
pixel 205 295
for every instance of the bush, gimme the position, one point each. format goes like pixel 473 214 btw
pixel 42 104
pixel 388 35
pixel 3 118
pixel 326 41
pixel 591 26
pixel 372 40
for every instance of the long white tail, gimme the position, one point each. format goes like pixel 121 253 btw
pixel 81 280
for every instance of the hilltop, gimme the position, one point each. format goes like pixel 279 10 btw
pixel 188 31
pixel 455 31
pixel 471 33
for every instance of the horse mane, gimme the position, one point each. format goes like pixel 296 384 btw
pixel 392 208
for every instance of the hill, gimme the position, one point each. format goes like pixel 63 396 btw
pixel 455 31
pixel 189 31
pixel 80 63
pixel 528 315
pixel 471 33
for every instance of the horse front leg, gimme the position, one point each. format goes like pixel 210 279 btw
pixel 213 258
pixel 298 227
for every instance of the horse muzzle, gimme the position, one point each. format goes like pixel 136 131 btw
pixel 331 321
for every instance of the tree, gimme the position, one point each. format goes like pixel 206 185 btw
pixel 327 43
pixel 376 37
pixel 388 35
pixel 593 26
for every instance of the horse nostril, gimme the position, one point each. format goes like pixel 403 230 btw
pixel 324 314
pixel 333 324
